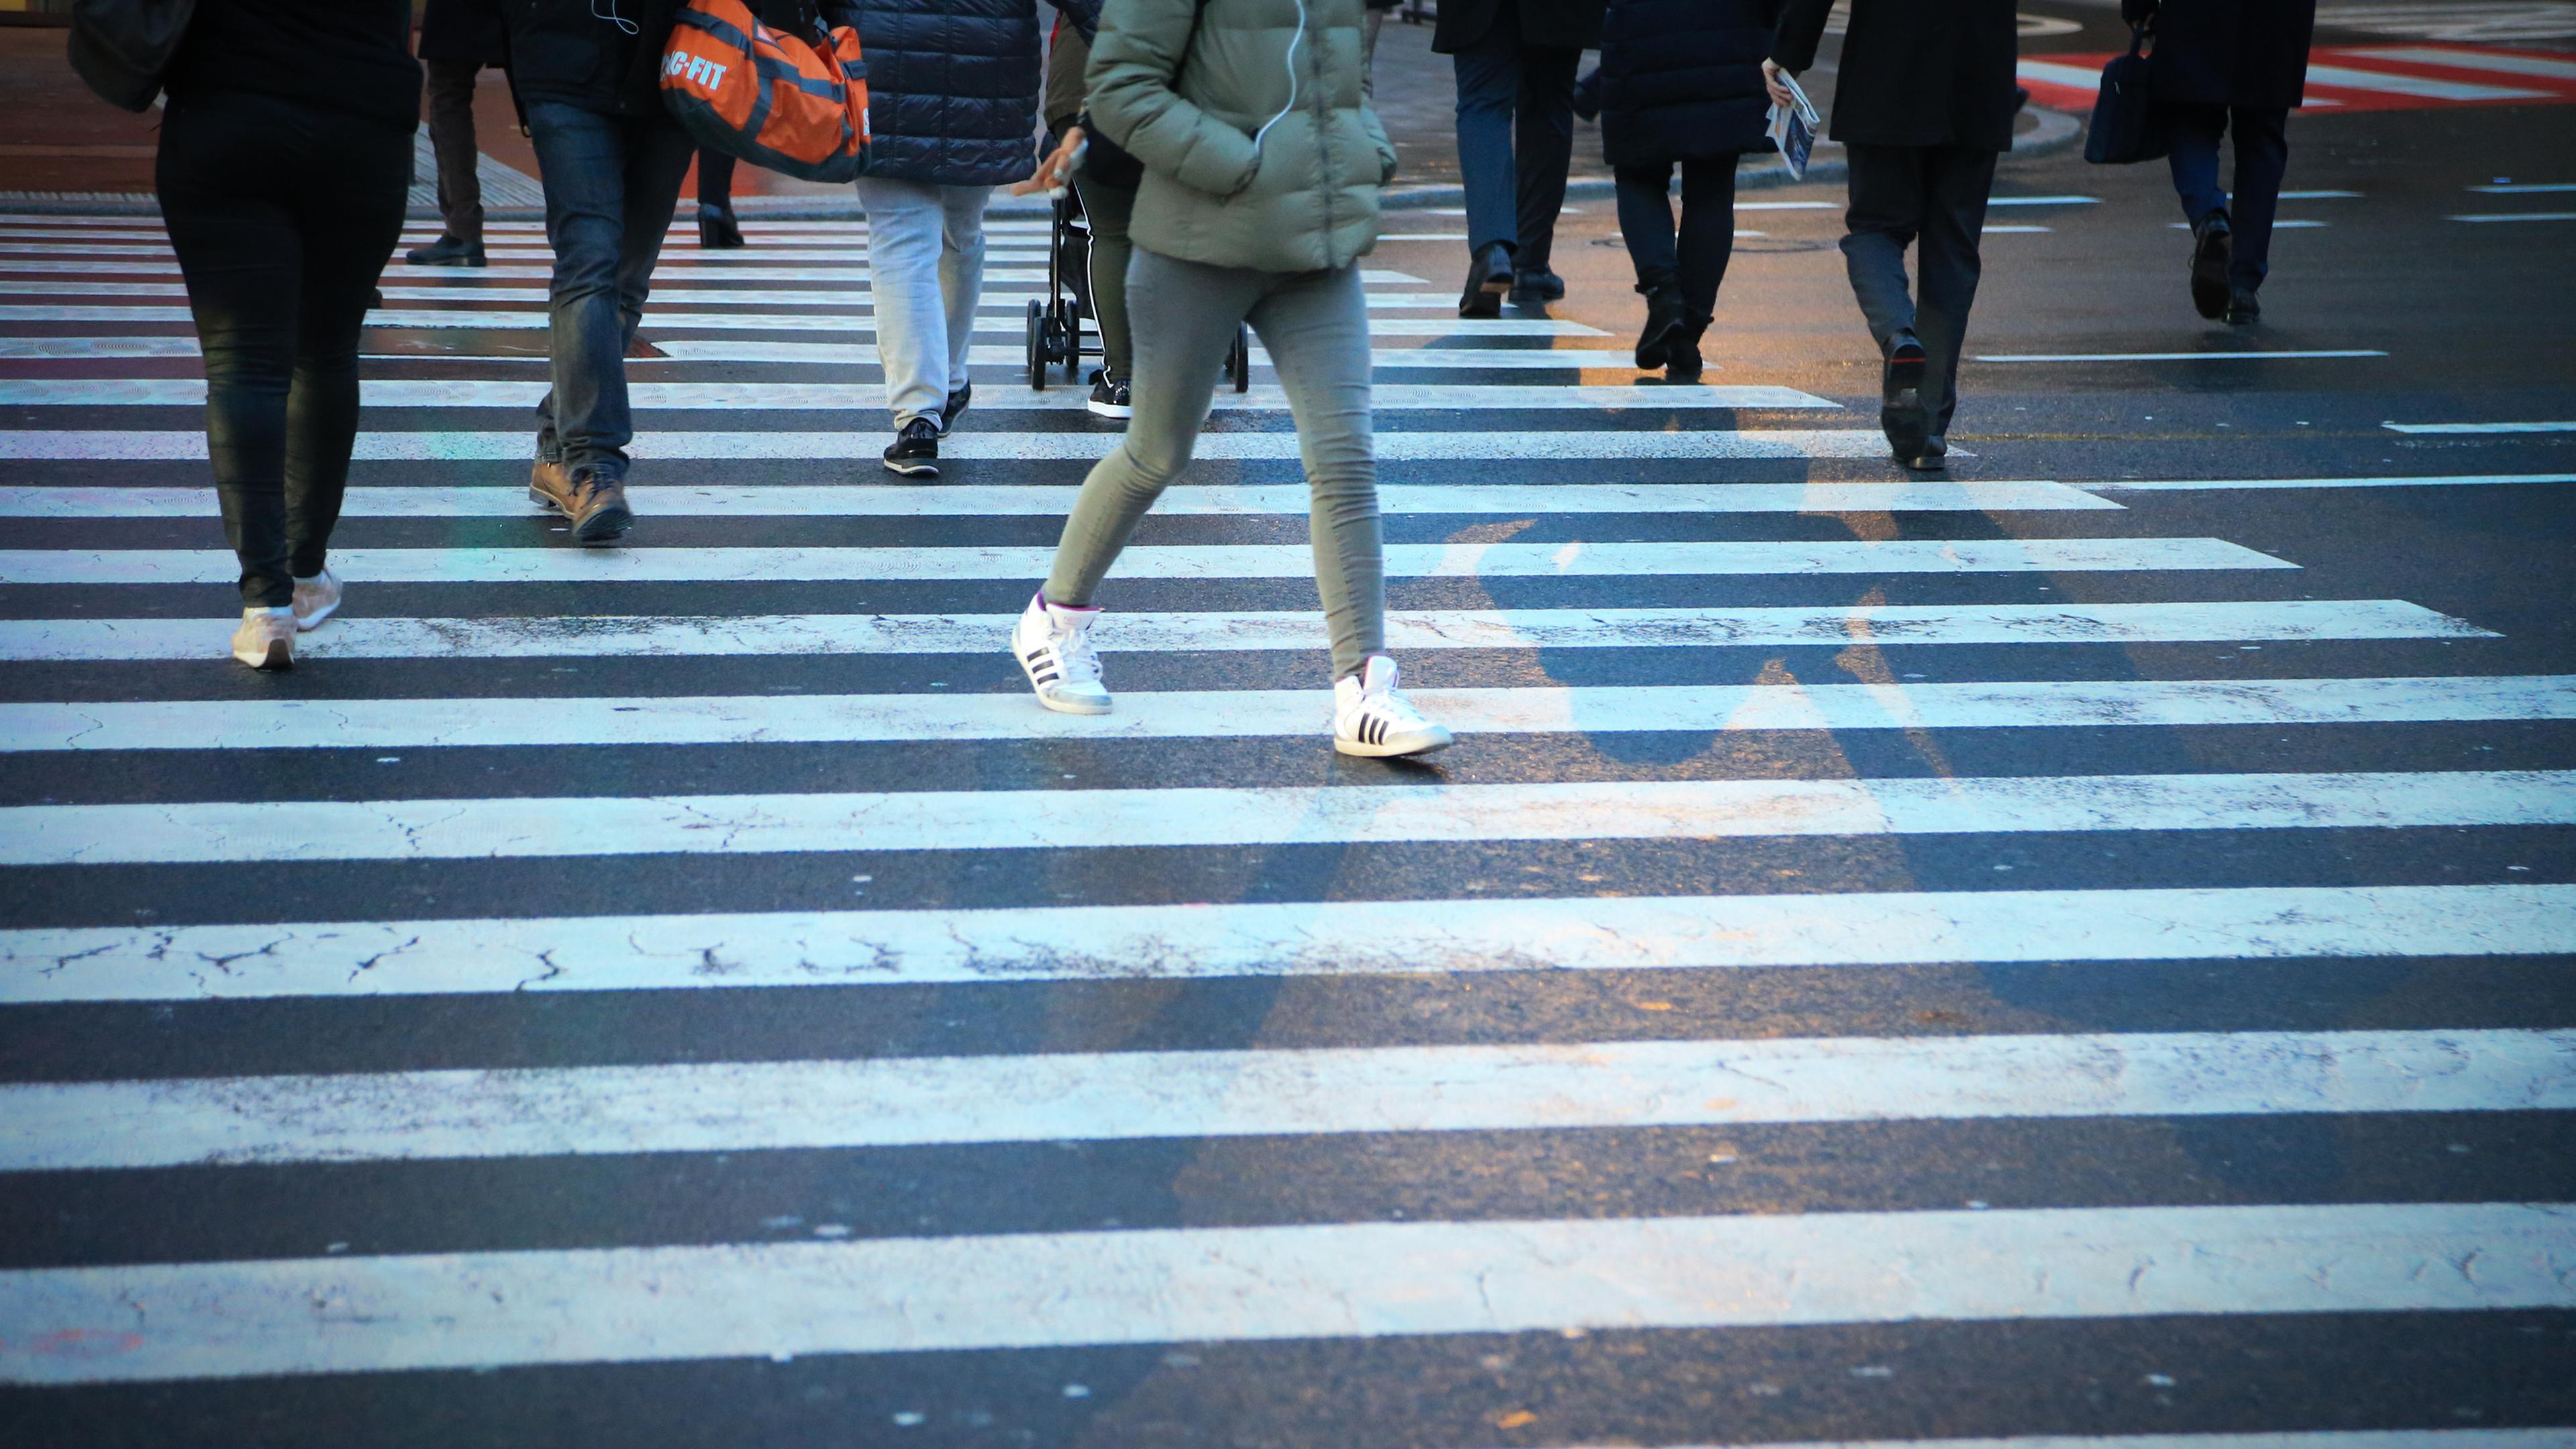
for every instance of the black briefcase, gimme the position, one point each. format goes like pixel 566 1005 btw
pixel 2124 125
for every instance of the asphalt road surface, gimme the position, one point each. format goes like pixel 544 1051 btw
pixel 2077 946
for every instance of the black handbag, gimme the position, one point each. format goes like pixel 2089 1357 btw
pixel 122 48
pixel 2125 127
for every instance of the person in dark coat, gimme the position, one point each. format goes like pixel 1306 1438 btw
pixel 717 226
pixel 1923 104
pixel 2221 65
pixel 953 88
pixel 588 77
pixel 457 39
pixel 1681 85
pixel 1515 61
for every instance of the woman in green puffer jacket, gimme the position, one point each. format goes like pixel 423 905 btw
pixel 1262 165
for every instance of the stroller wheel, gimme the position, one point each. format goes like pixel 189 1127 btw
pixel 1037 346
pixel 1068 322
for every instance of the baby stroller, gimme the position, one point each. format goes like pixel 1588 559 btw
pixel 1056 324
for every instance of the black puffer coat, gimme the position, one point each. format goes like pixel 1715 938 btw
pixel 2251 53
pixel 953 85
pixel 1681 80
pixel 566 50
pixel 463 30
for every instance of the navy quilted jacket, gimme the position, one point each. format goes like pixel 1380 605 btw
pixel 953 85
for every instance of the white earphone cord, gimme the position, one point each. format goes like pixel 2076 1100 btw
pixel 1293 42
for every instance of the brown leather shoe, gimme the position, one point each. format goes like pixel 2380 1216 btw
pixel 596 506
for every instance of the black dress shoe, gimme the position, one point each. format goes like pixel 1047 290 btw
pixel 1489 276
pixel 2242 309
pixel 1932 457
pixel 1681 356
pixel 1901 414
pixel 447 251
pixel 1535 288
pixel 2211 241
pixel 717 230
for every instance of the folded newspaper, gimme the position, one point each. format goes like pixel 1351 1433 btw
pixel 1793 128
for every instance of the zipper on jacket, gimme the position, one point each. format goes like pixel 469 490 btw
pixel 1324 146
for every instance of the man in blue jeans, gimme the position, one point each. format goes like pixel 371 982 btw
pixel 1515 61
pixel 612 158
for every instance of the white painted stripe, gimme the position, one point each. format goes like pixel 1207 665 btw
pixel 1586 710
pixel 2519 216
pixel 836 396
pixel 2555 427
pixel 1391 447
pixel 1158 561
pixel 2043 200
pixel 2499 61
pixel 761 265
pixel 2320 195
pixel 1054 501
pixel 837 354
pixel 2014 230
pixel 1116 1096
pixel 2353 78
pixel 1192 1285
pixel 1299 938
pixel 959 820
pixel 629 636
pixel 1787 206
pixel 858 324
pixel 2058 73
pixel 2443 480
pixel 853 279
pixel 2173 356
pixel 2281 224
pixel 2527 188
pixel 851 296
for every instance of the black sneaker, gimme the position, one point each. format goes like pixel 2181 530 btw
pixel 1932 457
pixel 2211 241
pixel 1489 276
pixel 1537 288
pixel 2242 309
pixel 956 403
pixel 447 251
pixel 1110 399
pixel 1901 414
pixel 914 453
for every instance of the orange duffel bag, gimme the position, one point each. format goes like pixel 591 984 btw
pixel 797 104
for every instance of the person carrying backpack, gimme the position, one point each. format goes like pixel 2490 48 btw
pixel 1262 167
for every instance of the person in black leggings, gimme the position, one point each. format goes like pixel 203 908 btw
pixel 286 155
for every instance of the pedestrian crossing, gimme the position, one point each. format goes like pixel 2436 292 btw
pixel 1872 925
pixel 2362 78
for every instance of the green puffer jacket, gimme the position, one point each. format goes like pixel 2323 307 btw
pixel 1307 199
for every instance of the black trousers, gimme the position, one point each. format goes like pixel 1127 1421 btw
pixel 1697 254
pixel 2262 159
pixel 715 178
pixel 279 268
pixel 1933 197
pixel 450 91
pixel 1515 138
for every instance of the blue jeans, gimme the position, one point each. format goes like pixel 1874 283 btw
pixel 1515 139
pixel 2262 156
pixel 611 182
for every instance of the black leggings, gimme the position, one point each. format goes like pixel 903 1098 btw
pixel 282 215
pixel 1707 231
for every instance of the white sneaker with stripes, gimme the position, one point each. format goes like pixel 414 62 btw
pixel 1053 644
pixel 1371 718
pixel 316 599
pixel 266 638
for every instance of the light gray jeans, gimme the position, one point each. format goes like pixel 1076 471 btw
pixel 926 269
pixel 1315 324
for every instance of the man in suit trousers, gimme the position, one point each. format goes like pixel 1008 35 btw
pixel 1923 105
pixel 2221 64
pixel 1515 61
pixel 457 39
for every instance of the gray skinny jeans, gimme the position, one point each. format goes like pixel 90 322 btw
pixel 1315 325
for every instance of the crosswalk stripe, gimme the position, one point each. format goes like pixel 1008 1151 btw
pixel 961 820
pixel 1160 561
pixel 834 396
pixel 1594 709
pixel 1189 1285
pixel 1390 446
pixel 845 354
pixel 2439 480
pixel 846 322
pixel 1265 939
pixel 2500 61
pixel 728 271
pixel 1055 500
pixel 2422 87
pixel 2560 425
pixel 1109 1096
pixel 641 636
pixel 849 296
